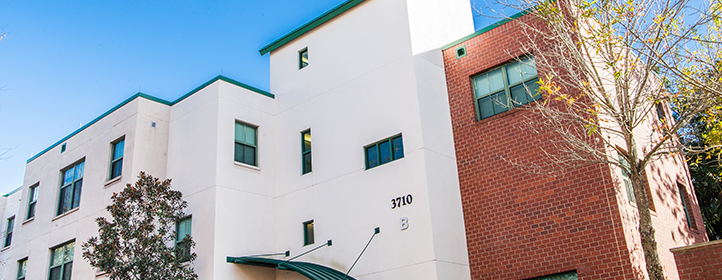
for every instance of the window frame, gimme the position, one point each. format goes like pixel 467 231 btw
pixel 309 235
pixel 9 228
pixel 21 270
pixel 377 145
pixel 305 152
pixel 180 242
pixel 237 142
pixel 64 262
pixel 301 60
pixel 73 185
pixel 685 199
pixel 631 197
pixel 114 160
pixel 32 201
pixel 510 104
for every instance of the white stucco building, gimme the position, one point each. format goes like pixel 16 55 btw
pixel 354 135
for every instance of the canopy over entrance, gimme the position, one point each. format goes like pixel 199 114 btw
pixel 310 270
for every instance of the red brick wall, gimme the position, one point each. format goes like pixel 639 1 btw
pixel 521 225
pixel 700 261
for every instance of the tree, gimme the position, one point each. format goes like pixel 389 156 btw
pixel 138 243
pixel 608 71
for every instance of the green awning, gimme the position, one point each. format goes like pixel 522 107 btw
pixel 310 270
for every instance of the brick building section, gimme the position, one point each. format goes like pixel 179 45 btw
pixel 700 261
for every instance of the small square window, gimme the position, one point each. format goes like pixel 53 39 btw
pixel 308 237
pixel 461 51
pixel 303 58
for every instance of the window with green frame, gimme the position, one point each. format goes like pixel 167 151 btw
pixel 72 184
pixel 306 152
pixel 182 240
pixel 61 261
pixel 308 235
pixel 302 58
pixel 246 146
pixel 505 87
pixel 22 268
pixel 9 231
pixel 116 161
pixel 32 200
pixel 384 151
pixel 570 275
pixel 628 183
pixel 691 222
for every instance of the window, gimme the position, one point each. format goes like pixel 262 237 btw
pixel 498 90
pixel 22 268
pixel 61 261
pixel 72 183
pixel 9 231
pixel 306 151
pixel 32 200
pixel 308 238
pixel 116 160
pixel 182 240
pixel 384 151
pixel 461 51
pixel 571 275
pixel 245 150
pixel 628 184
pixel 691 222
pixel 62 148
pixel 302 58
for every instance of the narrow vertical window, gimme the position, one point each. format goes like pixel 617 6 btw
pixel 62 148
pixel 308 237
pixel 303 58
pixel 32 200
pixel 61 261
pixel 22 268
pixel 384 151
pixel 245 148
pixel 116 160
pixel 691 222
pixel 182 240
pixel 9 231
pixel 625 178
pixel 306 151
pixel 72 184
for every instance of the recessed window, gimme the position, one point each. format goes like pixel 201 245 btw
pixel 691 222
pixel 62 148
pixel 71 186
pixel 22 268
pixel 9 231
pixel 308 237
pixel 306 151
pixel 303 58
pixel 182 240
pixel 61 261
pixel 384 151
pixel 500 89
pixel 461 51
pixel 32 200
pixel 571 275
pixel 628 183
pixel 116 160
pixel 245 149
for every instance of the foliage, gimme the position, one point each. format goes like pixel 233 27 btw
pixel 138 243
pixel 608 71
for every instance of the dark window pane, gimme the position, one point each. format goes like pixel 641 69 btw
pixel 9 239
pixel 499 102
pixel 307 163
pixel 533 89
pixel 398 146
pixel 238 155
pixel 31 210
pixel 76 195
pixel 65 196
pixel 308 233
pixel 116 168
pixel 55 273
pixel 67 271
pixel 519 95
pixel 372 156
pixel 385 152
pixel 486 108
pixel 249 155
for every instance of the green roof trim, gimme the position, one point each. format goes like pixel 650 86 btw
pixel 13 191
pixel 152 98
pixel 345 6
pixel 486 29
pixel 310 270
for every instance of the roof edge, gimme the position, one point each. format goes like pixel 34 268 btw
pixel 151 98
pixel 487 29
pixel 323 18
pixel 13 191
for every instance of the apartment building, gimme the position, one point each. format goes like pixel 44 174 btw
pixel 369 135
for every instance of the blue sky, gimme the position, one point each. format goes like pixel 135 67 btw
pixel 63 63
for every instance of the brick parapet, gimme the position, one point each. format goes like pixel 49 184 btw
pixel 699 261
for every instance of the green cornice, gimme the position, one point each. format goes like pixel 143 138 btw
pixel 486 29
pixel 156 99
pixel 345 6
pixel 13 191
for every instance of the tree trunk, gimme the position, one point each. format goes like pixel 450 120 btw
pixel 646 231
